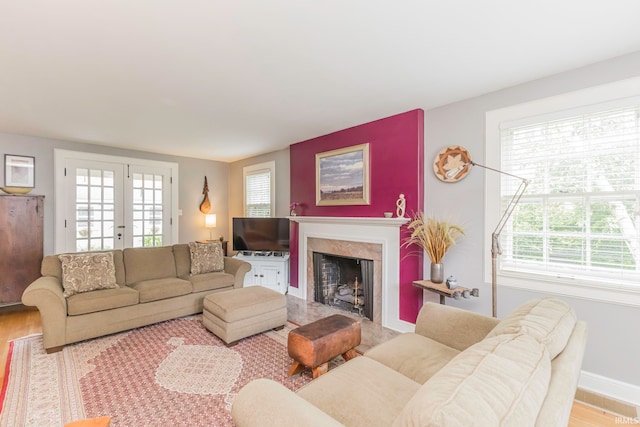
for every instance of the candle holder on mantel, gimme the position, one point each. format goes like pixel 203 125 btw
pixel 292 208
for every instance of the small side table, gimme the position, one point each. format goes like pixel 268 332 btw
pixel 442 290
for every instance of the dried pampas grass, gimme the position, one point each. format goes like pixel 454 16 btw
pixel 435 237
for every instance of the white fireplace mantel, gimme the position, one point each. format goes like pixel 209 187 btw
pixel 380 222
pixel 383 231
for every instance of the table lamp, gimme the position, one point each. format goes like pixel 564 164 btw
pixel 210 223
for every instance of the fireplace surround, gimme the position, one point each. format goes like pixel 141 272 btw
pixel 376 239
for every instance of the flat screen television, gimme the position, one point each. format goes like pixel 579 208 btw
pixel 261 234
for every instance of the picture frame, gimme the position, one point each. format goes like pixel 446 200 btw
pixel 342 176
pixel 19 171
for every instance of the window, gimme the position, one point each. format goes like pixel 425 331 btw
pixel 259 190
pixel 578 223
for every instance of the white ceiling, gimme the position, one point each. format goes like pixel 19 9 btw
pixel 225 80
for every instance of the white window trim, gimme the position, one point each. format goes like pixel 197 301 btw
pixel 59 159
pixel 247 170
pixel 548 284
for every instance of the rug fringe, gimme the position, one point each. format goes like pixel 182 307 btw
pixel 39 334
pixel 7 371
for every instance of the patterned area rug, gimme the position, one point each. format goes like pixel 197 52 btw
pixel 172 373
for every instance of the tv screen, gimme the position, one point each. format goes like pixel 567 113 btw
pixel 260 234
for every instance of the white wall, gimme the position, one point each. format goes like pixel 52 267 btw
pixel 191 181
pixel 613 347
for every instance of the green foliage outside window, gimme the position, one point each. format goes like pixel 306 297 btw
pixel 582 206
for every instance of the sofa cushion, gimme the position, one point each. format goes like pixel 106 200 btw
pixel 183 260
pixel 211 281
pixel 104 299
pixel 157 289
pixel 87 272
pixel 499 381
pixel 206 257
pixel 361 392
pixel 148 264
pixel 549 320
pixel 413 355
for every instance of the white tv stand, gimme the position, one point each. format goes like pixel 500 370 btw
pixel 268 269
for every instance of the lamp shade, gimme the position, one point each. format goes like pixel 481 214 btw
pixel 210 220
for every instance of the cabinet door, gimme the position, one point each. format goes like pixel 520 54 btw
pixel 271 276
pixel 252 278
pixel 21 238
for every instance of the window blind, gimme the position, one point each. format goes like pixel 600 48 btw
pixel 580 214
pixel 258 193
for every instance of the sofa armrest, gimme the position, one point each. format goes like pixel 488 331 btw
pixel 45 293
pixel 237 268
pixel 266 403
pixel 453 327
pixel 565 373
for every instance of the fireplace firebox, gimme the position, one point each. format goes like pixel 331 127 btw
pixel 344 282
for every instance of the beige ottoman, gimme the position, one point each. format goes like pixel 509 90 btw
pixel 239 313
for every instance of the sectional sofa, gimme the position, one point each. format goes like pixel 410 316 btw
pixel 458 368
pixel 150 285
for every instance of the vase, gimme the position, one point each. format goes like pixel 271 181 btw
pixel 437 272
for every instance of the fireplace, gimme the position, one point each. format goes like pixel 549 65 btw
pixel 374 239
pixel 344 282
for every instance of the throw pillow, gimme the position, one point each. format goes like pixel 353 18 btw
pixel 87 272
pixel 206 257
pixel 548 320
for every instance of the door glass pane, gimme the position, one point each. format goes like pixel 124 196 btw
pixel 147 209
pixel 82 176
pixel 94 209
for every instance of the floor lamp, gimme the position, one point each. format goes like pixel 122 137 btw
pixel 454 163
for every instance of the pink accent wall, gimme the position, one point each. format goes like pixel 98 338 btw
pixel 396 164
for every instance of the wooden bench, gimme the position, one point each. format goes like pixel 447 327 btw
pixel 314 344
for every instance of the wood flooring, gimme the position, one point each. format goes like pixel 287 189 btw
pixel 19 322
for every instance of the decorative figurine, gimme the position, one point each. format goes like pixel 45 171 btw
pixel 452 283
pixel 401 204
pixel 205 206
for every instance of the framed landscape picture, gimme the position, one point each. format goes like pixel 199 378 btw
pixel 342 176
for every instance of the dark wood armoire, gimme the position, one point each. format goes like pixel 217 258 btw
pixel 21 244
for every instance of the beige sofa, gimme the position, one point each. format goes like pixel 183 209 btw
pixel 154 284
pixel 457 369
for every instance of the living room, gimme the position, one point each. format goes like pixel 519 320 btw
pixel 456 116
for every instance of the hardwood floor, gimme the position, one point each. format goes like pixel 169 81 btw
pixel 16 323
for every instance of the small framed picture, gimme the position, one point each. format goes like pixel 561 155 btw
pixel 19 171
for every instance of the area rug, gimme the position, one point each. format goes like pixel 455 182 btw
pixel 172 373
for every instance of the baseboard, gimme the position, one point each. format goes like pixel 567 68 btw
pixel 295 292
pixel 608 389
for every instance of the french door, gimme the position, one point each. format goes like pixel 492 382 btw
pixel 92 220
pixel 111 204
